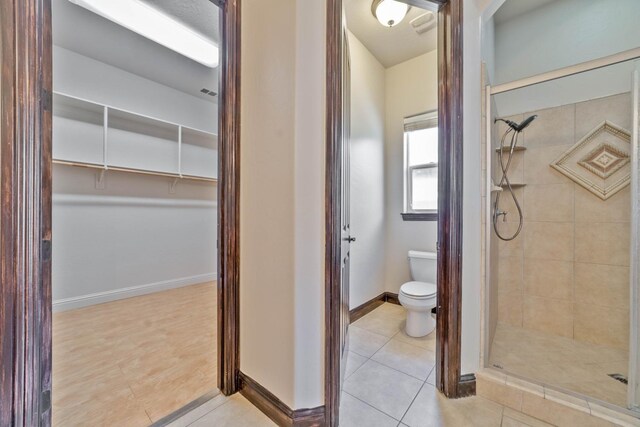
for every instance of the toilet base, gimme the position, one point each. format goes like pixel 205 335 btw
pixel 419 323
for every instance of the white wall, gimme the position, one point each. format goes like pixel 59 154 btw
pixel 368 216
pixel 563 33
pixel 409 91
pixel 133 236
pixel 557 35
pixel 282 199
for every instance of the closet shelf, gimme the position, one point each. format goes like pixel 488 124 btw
pixel 507 149
pixel 131 170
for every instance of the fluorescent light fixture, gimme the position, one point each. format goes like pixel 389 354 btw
pixel 389 12
pixel 157 26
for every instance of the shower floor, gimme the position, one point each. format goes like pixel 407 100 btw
pixel 562 362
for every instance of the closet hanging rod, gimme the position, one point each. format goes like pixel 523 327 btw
pixel 627 55
pixel 131 170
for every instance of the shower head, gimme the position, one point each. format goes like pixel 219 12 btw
pixel 519 127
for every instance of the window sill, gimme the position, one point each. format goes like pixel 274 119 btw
pixel 423 216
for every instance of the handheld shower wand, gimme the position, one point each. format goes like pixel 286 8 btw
pixel 514 129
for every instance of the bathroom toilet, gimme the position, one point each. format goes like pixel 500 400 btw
pixel 419 295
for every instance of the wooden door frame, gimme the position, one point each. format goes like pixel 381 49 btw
pixel 448 325
pixel 25 210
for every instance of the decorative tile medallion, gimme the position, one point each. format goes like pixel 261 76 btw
pixel 600 162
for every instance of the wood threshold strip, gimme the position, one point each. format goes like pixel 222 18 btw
pixel 276 409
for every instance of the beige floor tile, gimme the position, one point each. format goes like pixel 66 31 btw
pixel 498 392
pixel 407 358
pixel 511 418
pixel 428 341
pixel 430 408
pixel 383 388
pixel 381 322
pixel 365 343
pixel 355 413
pixel 199 412
pixel 236 412
pixel 354 361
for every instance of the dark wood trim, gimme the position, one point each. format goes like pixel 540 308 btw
pixel 229 200
pixel 448 321
pixel 449 216
pixel 25 213
pixel 276 409
pixel 333 297
pixel 427 216
pixel 367 307
pixel 467 385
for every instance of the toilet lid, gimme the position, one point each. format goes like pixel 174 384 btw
pixel 418 289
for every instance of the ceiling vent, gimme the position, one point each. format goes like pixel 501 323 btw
pixel 424 23
pixel 208 92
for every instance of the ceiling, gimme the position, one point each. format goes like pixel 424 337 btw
pixel 84 32
pixel 390 46
pixel 512 8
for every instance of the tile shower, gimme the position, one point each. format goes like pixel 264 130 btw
pixel 560 303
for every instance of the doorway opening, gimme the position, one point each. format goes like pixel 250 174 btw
pixel 393 191
pixel 125 151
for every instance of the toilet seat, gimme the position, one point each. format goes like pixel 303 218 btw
pixel 418 290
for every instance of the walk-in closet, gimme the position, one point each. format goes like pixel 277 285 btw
pixel 135 118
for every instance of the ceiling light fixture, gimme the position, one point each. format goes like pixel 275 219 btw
pixel 389 12
pixel 157 26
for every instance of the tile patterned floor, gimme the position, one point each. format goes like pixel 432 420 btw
pixel 146 356
pixel 562 362
pixel 390 381
pixel 234 411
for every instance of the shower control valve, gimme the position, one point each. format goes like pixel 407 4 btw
pixel 503 214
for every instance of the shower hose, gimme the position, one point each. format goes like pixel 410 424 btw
pixel 505 183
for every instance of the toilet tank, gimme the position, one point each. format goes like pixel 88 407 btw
pixel 423 266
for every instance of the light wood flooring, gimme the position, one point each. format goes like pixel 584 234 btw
pixel 132 362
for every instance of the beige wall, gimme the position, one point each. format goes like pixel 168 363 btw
pixel 411 88
pixel 282 199
pixel 567 273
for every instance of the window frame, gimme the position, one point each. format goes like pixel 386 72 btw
pixel 428 120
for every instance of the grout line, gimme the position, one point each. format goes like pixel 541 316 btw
pixel 413 400
pixel 214 409
pixel 371 406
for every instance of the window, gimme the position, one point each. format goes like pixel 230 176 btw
pixel 421 167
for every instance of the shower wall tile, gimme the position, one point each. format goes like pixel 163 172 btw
pixel 548 240
pixel 548 315
pixel 554 126
pixel 549 202
pixel 615 109
pixel 513 247
pixel 603 243
pixel 601 325
pixel 510 275
pixel 590 208
pixel 567 272
pixel 551 279
pixel 537 161
pixel 604 285
pixel 510 309
pixel 516 168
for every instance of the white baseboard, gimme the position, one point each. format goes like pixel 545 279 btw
pixel 133 291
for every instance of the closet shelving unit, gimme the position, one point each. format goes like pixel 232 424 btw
pixel 92 135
